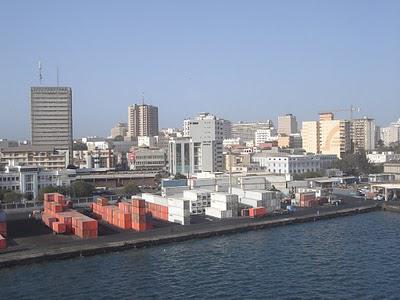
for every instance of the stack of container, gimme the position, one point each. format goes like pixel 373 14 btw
pixel 199 200
pixel 223 205
pixel 307 199
pixel 3 229
pixel 140 220
pixel 178 210
pixel 256 212
pixel 156 206
pixel 60 219
pixel 259 198
pixel 127 215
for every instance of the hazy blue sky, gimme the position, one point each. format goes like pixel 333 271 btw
pixel 241 60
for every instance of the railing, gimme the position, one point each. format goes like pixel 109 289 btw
pixel 33 205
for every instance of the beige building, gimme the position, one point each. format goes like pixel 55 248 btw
pixel 41 156
pixel 287 124
pixel 326 136
pixel 142 120
pixel 121 129
pixel 51 117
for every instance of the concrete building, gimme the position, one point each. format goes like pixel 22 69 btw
pixel 146 159
pixel 265 135
pixel 246 130
pixel 206 132
pixel 28 180
pixel 51 117
pixel 326 136
pixel 392 168
pixel 283 163
pixel 147 141
pixel 363 134
pixel 46 157
pixel 95 159
pixel 391 134
pixel 293 141
pixel 181 156
pixel 287 124
pixel 121 129
pixel 382 157
pixel 142 120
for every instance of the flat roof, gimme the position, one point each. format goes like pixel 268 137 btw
pixel 387 185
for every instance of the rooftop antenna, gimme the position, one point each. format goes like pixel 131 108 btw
pixel 57 77
pixel 142 98
pixel 40 73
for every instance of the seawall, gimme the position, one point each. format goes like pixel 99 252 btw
pixel 98 247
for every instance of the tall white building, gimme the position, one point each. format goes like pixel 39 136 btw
pixel 201 148
pixel 51 117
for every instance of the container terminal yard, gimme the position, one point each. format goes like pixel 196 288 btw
pixel 178 213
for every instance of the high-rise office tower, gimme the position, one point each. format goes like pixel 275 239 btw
pixel 51 117
pixel 287 124
pixel 142 120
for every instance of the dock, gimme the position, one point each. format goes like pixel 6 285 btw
pixel 49 247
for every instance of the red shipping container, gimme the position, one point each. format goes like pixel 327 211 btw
pixel 257 212
pixel 3 242
pixel 3 229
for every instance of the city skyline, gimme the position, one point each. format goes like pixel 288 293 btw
pixel 322 56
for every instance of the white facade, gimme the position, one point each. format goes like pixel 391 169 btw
pixel 382 157
pixel 265 135
pixel 391 134
pixel 147 159
pixel 29 180
pixel 201 150
pixel 280 163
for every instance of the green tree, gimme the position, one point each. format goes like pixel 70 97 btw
pixel 81 189
pixel 119 138
pixel 179 176
pixel 51 189
pixel 11 196
pixel 356 164
pixel 130 189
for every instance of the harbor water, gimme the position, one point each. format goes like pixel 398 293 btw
pixel 350 258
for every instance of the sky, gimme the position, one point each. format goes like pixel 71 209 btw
pixel 240 60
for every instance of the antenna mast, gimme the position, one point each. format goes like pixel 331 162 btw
pixel 40 73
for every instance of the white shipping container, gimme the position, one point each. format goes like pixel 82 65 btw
pixel 179 211
pixel 178 219
pixel 252 202
pixel 238 191
pixel 217 213
pixel 169 191
pixel 178 202
pixel 223 197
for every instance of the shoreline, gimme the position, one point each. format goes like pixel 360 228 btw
pixel 25 257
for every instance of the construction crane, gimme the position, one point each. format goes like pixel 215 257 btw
pixel 350 110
